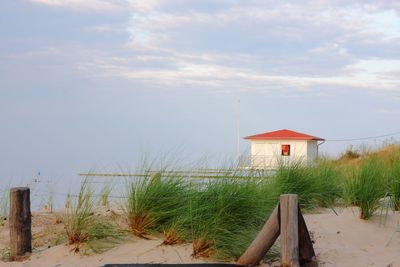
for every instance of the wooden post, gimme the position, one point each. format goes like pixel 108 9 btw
pixel 20 222
pixel 306 252
pixel 263 242
pixel 289 230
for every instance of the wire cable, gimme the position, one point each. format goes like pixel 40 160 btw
pixel 362 138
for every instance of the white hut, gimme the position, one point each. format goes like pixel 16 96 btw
pixel 270 149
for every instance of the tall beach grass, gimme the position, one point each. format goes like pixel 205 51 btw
pixel 221 213
pixel 85 229
pixel 365 186
pixel 153 202
pixel 316 185
pixel 393 173
pixel 226 216
pixel 219 216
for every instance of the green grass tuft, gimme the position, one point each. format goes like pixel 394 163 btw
pixel 84 229
pixel 394 178
pixel 366 186
pixel 105 194
pixel 226 215
pixel 153 202
pixel 316 185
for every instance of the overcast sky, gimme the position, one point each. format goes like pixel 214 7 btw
pixel 90 84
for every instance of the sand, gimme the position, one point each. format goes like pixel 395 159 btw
pixel 143 251
pixel 345 240
pixel 339 240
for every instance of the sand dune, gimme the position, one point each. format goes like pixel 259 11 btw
pixel 345 240
pixel 141 251
pixel 339 240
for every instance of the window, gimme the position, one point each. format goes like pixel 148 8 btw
pixel 285 151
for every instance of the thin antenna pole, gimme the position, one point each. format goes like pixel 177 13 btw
pixel 238 131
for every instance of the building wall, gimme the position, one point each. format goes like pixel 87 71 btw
pixel 267 153
pixel 312 150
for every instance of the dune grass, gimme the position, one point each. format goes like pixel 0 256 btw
pixel 153 202
pixel 85 229
pixel 105 194
pixel 393 173
pixel 221 216
pixel 316 185
pixel 226 216
pixel 78 220
pixel 366 186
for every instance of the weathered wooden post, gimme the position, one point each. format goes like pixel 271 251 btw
pixel 296 245
pixel 263 242
pixel 20 222
pixel 289 230
pixel 306 250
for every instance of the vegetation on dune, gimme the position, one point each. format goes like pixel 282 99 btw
pixel 153 202
pixel 226 216
pixel 220 217
pixel 316 185
pixel 393 167
pixel 221 214
pixel 366 186
pixel 83 228
pixel 350 154
pixel 105 194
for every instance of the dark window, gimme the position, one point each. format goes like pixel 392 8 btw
pixel 285 150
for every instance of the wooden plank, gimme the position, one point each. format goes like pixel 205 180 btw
pixel 20 223
pixel 289 230
pixel 306 250
pixel 263 242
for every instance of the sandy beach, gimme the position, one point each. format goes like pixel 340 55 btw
pixel 346 240
pixel 140 251
pixel 339 240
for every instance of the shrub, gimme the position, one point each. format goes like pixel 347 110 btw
pixel 350 154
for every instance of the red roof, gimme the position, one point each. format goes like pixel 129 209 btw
pixel 283 134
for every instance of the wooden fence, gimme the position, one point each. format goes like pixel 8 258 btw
pixel 287 222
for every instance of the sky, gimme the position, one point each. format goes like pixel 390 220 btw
pixel 95 84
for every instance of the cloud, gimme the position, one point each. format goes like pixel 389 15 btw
pixel 101 5
pixel 104 28
pixel 85 5
pixel 257 45
pixel 181 72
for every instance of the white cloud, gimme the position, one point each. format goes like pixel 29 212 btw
pixel 144 5
pixel 218 77
pixel 85 5
pixel 101 28
pixel 256 45
pixel 101 5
